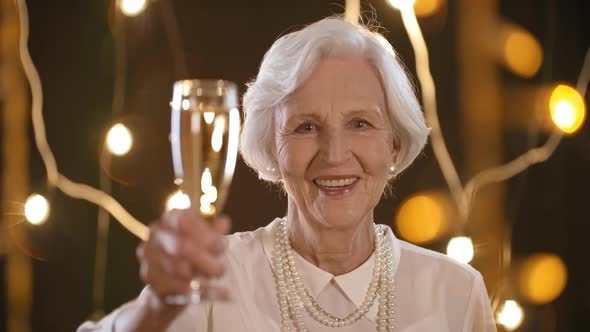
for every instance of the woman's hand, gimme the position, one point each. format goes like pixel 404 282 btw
pixel 182 246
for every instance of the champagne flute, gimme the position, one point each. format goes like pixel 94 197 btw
pixel 205 125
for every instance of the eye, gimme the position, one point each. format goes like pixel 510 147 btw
pixel 307 127
pixel 361 124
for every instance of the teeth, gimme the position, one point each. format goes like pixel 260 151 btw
pixel 335 183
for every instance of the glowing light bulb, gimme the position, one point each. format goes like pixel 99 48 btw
pixel 209 117
pixel 119 140
pixel 217 136
pixel 186 104
pixel 206 180
pixel 178 200
pixel 36 209
pixel 421 218
pixel 460 249
pixel 567 107
pixel 542 278
pixel 523 54
pixel 209 193
pixel 401 4
pixel 427 7
pixel 510 316
pixel 132 7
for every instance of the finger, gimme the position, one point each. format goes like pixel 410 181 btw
pixel 173 266
pixel 170 218
pixel 161 282
pixel 184 221
pixel 188 224
pixel 200 259
pixel 205 263
pixel 169 287
pixel 163 239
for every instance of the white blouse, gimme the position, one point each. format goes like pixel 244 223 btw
pixel 433 292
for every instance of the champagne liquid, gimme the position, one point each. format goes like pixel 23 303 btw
pixel 204 151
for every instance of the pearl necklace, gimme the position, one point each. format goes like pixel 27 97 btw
pixel 293 296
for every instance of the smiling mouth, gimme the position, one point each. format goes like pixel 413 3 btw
pixel 335 183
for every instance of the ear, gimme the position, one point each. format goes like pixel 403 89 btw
pixel 395 151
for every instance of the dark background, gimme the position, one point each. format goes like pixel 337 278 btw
pixel 72 45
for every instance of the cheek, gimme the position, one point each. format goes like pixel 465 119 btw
pixel 374 153
pixel 294 155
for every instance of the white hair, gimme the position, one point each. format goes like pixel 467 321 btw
pixel 292 58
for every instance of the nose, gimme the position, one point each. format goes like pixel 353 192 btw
pixel 335 147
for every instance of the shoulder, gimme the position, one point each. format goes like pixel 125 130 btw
pixel 436 273
pixel 427 260
pixel 434 278
pixel 429 264
pixel 249 242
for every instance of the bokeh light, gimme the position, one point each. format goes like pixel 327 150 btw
pixel 523 54
pixel 510 315
pixel 186 104
pixel 542 278
pixel 209 193
pixel 460 249
pixel 36 209
pixel 119 140
pixel 422 218
pixel 567 108
pixel 178 200
pixel 427 7
pixel 132 7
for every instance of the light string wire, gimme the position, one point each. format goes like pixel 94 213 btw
pixel 54 178
pixel 464 196
pixel 428 90
pixel 103 217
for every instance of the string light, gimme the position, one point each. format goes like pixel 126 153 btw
pixel 523 54
pixel 567 108
pixel 178 200
pixel 542 278
pixel 217 135
pixel 209 117
pixel 421 218
pixel 209 193
pixel 119 140
pixel 68 187
pixel 36 209
pixel 427 7
pixel 510 315
pixel 132 7
pixel 460 249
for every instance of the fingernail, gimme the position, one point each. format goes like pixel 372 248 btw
pixel 168 243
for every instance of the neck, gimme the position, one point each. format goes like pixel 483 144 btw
pixel 334 249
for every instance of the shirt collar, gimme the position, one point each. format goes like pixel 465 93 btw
pixel 354 284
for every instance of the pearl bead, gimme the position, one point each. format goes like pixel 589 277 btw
pixel 293 296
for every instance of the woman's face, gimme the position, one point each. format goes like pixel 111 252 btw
pixel 334 142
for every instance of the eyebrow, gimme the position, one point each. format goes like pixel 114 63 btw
pixel 370 110
pixel 356 111
pixel 306 115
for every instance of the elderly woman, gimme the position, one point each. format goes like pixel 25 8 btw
pixel 331 117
